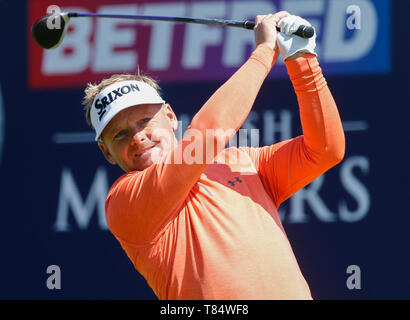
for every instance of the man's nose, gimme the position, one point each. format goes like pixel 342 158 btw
pixel 139 137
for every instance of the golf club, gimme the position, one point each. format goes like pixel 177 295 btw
pixel 49 38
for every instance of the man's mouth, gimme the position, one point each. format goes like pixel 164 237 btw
pixel 142 151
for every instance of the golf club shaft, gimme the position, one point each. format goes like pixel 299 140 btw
pixel 216 22
pixel 303 31
pixel 50 38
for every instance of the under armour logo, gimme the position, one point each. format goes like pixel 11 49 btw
pixel 232 183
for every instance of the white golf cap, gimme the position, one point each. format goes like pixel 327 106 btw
pixel 117 97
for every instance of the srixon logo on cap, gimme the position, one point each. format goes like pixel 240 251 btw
pixel 101 104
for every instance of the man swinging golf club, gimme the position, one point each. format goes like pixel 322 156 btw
pixel 194 223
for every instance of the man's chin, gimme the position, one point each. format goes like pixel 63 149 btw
pixel 139 167
pixel 146 160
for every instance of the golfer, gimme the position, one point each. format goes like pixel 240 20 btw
pixel 199 220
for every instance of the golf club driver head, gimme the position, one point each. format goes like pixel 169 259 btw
pixel 49 31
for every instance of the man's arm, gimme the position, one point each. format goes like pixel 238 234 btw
pixel 290 165
pixel 141 204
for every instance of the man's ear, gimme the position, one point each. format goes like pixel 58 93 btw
pixel 106 153
pixel 171 116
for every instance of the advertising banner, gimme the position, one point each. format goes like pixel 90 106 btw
pixel 353 36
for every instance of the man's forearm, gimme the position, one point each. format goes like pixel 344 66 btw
pixel 322 127
pixel 229 106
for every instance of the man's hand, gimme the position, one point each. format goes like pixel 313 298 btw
pixel 292 46
pixel 265 28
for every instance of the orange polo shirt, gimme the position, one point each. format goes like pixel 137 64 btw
pixel 212 230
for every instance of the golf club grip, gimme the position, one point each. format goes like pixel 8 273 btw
pixel 303 31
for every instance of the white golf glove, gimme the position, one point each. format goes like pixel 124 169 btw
pixel 288 43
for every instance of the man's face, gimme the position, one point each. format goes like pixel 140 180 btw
pixel 138 136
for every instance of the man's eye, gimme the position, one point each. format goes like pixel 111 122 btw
pixel 145 120
pixel 119 135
